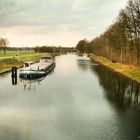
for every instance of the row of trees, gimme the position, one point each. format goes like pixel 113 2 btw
pixel 53 49
pixel 121 41
pixel 49 49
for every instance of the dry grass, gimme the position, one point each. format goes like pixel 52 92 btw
pixel 129 71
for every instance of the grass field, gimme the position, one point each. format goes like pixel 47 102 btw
pixel 129 71
pixel 13 53
pixel 9 60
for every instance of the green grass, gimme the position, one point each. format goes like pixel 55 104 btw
pixel 6 63
pixel 33 57
pixel 13 53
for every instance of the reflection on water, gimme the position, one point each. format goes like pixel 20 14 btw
pixel 123 96
pixel 80 100
pixel 86 64
pixel 30 84
pixel 119 90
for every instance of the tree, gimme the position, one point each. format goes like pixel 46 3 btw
pixel 81 46
pixel 130 17
pixel 3 44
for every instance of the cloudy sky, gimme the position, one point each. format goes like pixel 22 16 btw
pixel 55 22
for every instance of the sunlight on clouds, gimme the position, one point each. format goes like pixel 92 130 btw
pixel 33 36
pixel 55 22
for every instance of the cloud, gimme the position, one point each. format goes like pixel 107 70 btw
pixel 49 18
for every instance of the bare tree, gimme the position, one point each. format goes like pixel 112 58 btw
pixel 121 41
pixel 130 17
pixel 3 44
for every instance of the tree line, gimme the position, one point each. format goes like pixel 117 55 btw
pixel 49 49
pixel 121 41
pixel 54 49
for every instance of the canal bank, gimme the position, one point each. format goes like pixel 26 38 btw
pixel 6 63
pixel 129 71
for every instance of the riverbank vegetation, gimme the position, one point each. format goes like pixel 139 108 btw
pixel 6 63
pixel 130 71
pixel 121 41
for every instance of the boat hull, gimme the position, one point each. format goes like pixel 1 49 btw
pixel 35 74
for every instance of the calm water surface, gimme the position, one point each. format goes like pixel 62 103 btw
pixel 79 100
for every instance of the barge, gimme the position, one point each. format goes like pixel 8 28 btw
pixel 37 70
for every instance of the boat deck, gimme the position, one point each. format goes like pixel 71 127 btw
pixel 37 66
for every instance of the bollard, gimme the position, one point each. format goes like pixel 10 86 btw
pixel 14 75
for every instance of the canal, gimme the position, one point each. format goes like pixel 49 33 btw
pixel 78 100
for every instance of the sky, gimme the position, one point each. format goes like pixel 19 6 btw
pixel 28 23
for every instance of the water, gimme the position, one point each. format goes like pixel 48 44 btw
pixel 79 100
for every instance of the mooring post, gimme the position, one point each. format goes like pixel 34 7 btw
pixel 14 75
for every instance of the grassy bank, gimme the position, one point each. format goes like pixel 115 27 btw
pixel 13 53
pixel 6 63
pixel 129 71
